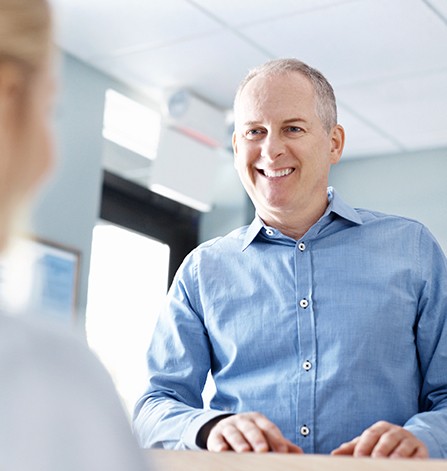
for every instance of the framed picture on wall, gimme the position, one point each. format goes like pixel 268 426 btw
pixel 39 277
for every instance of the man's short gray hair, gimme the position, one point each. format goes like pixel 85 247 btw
pixel 324 93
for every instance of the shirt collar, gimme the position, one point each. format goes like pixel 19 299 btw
pixel 252 231
pixel 342 209
pixel 336 205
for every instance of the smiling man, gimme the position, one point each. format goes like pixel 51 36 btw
pixel 284 149
pixel 324 326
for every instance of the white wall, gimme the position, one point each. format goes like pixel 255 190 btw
pixel 412 185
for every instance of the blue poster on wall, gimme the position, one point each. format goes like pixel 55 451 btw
pixel 40 278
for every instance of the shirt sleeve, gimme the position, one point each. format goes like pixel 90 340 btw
pixel 430 424
pixel 170 413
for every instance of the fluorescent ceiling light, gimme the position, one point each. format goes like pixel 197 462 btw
pixel 131 124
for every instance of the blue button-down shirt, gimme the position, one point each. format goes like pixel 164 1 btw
pixel 325 335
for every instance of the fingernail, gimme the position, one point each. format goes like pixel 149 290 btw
pixel 261 447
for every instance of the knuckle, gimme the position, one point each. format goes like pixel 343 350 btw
pixel 217 429
pixel 408 445
pixel 395 434
pixel 255 415
pixel 229 431
pixel 249 428
pixel 370 432
pixel 224 422
pixel 240 420
pixel 381 424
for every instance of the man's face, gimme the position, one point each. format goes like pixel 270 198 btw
pixel 282 152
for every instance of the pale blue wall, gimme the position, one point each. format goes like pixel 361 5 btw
pixel 68 208
pixel 412 185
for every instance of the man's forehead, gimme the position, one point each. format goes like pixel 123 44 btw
pixel 278 80
pixel 272 93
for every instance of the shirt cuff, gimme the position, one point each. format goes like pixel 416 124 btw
pixel 189 437
pixel 425 436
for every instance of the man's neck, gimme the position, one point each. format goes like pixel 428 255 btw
pixel 295 224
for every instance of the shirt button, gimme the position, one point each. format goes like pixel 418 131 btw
pixel 307 365
pixel 269 232
pixel 304 303
pixel 302 246
pixel 304 430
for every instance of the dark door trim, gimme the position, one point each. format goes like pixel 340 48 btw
pixel 137 208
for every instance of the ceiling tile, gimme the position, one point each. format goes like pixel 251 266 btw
pixel 237 12
pixel 412 110
pixel 440 6
pixel 88 28
pixel 360 41
pixel 386 59
pixel 211 67
pixel 362 140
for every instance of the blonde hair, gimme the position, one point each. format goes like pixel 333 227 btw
pixel 25 32
pixel 324 93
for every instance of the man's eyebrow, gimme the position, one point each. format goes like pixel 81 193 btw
pixel 286 121
pixel 294 120
pixel 252 123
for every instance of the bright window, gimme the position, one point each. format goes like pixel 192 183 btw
pixel 127 285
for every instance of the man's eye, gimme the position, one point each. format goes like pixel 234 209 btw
pixel 254 133
pixel 294 129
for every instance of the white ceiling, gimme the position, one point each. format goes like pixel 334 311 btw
pixel 387 59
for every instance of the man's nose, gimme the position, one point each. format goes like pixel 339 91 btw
pixel 272 147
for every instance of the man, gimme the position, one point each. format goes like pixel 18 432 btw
pixel 328 322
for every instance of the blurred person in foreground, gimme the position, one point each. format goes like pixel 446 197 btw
pixel 58 407
pixel 324 326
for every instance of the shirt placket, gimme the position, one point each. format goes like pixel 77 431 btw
pixel 307 347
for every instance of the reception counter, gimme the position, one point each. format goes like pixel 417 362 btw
pixel 205 461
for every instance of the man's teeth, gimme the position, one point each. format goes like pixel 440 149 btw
pixel 278 173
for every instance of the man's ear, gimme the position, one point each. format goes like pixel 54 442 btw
pixel 337 143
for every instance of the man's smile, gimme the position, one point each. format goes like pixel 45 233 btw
pixel 276 173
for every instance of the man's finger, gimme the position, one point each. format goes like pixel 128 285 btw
pixel 230 435
pixel 370 438
pixel 292 448
pixel 405 449
pixel 276 440
pixel 220 445
pixel 256 437
pixel 280 444
pixel 390 441
pixel 421 452
pixel 346 448
pixel 217 443
pixel 384 439
pixel 249 431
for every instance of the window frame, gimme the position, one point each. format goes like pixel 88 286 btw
pixel 132 206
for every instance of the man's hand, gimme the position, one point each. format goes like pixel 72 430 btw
pixel 384 440
pixel 249 431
